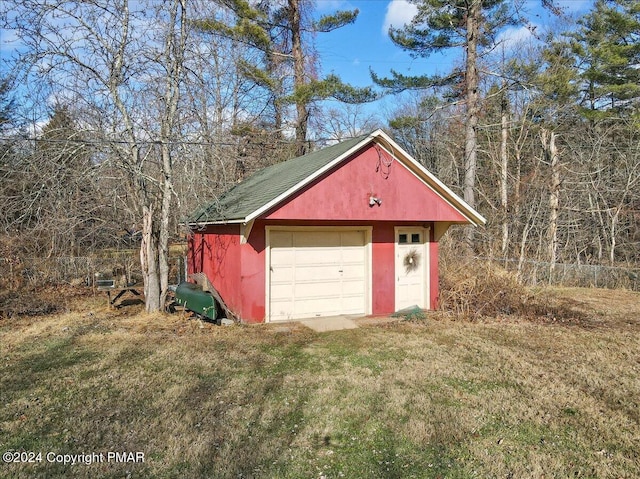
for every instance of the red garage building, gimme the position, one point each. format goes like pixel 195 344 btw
pixel 350 229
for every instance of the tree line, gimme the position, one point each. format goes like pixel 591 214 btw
pixel 119 118
pixel 543 137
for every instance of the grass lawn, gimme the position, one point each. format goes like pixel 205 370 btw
pixel 504 398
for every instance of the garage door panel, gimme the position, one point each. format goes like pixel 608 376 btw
pixel 351 287
pixel 352 239
pixel 315 307
pixel 311 239
pixel 351 275
pixel 320 289
pixel 282 271
pixel 352 253
pixel 347 310
pixel 311 256
pixel 354 257
pixel 351 271
pixel 282 256
pixel 280 310
pixel 281 238
pixel 317 273
pixel 281 291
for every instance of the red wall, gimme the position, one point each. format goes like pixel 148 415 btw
pixel 216 253
pixel 252 279
pixel 236 270
pixel 344 194
pixel 383 268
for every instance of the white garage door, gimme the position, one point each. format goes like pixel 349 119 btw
pixel 317 273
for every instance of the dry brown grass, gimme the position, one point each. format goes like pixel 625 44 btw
pixel 506 397
pixel 480 290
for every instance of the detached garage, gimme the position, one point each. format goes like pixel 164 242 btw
pixel 350 229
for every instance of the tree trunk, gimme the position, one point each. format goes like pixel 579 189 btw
pixel 175 45
pixel 504 170
pixel 149 259
pixel 523 248
pixel 165 215
pixel 551 154
pixel 471 93
pixel 298 76
pixel 613 233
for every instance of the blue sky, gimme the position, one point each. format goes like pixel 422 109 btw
pixel 351 51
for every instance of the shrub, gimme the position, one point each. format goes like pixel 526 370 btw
pixel 473 288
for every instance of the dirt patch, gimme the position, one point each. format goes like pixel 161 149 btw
pixel 12 305
pixel 43 301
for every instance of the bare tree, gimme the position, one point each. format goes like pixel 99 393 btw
pixel 122 64
pixel 48 191
pixel 342 122
pixel 548 139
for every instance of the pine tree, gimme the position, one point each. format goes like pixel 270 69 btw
pixel 280 31
pixel 607 49
pixel 6 103
pixel 441 25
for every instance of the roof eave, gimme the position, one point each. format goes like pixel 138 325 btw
pixel 200 224
pixel 386 142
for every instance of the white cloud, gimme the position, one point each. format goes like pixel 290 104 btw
pixel 399 13
pixel 512 37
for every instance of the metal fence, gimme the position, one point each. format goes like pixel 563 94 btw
pixel 82 270
pixel 86 269
pixel 535 273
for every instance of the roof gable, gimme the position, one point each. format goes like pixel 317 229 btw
pixel 271 186
pixel 345 192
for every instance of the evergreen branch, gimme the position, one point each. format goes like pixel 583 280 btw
pixel 331 87
pixel 399 82
pixel 328 23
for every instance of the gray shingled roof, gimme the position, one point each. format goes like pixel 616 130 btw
pixel 268 184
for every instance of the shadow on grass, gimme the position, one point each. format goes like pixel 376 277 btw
pixel 52 357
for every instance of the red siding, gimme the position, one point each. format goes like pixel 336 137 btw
pixel 216 253
pixel 236 270
pixel 252 279
pixel 383 268
pixel 344 194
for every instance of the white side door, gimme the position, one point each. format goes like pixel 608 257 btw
pixel 411 267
